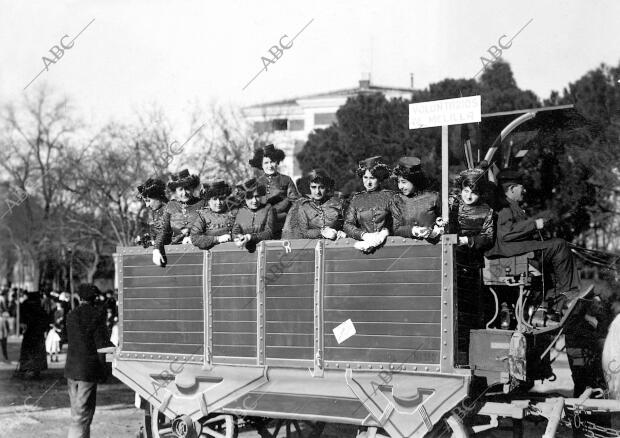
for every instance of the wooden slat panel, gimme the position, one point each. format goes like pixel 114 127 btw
pixel 274 291
pixel 162 303
pixel 392 329
pixel 233 280
pixel 290 279
pixel 240 256
pixel 233 268
pixel 183 281
pixel 299 315
pixel 290 340
pixel 288 304
pixel 386 342
pixel 289 352
pixel 248 314
pixel 234 326
pixel 234 351
pixel 383 303
pixel 332 253
pixel 392 264
pixel 163 326
pixel 291 327
pixel 148 315
pixel 237 291
pixel 382 277
pixel 413 316
pixel 274 268
pixel 224 303
pixel 164 348
pixel 239 339
pixel 411 290
pixel 158 271
pixel 184 258
pixel 163 337
pixel 162 292
pixel 382 355
pixel 296 256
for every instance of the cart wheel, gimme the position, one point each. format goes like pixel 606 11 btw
pixel 293 428
pixel 450 426
pixel 218 426
pixel 161 426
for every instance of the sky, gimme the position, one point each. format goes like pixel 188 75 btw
pixel 178 53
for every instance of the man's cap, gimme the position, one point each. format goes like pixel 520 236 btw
pixel 88 292
pixel 509 176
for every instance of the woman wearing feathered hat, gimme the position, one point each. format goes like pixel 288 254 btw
pixel 320 215
pixel 280 191
pixel 213 224
pixel 421 207
pixel 255 221
pixel 373 214
pixel 153 193
pixel 179 213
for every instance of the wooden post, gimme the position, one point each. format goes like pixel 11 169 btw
pixel 444 173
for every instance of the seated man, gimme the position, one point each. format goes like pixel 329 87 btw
pixel 516 235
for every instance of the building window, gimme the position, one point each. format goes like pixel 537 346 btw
pixel 324 118
pixel 280 124
pixel 296 125
pixel 260 127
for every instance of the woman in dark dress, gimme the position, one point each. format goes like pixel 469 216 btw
pixel 421 207
pixel 255 221
pixel 32 357
pixel 280 191
pixel 374 213
pixel 178 214
pixel 213 224
pixel 153 193
pixel 320 215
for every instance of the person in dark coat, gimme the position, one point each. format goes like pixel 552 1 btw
pixel 373 214
pixel 421 207
pixel 153 193
pixel 320 215
pixel 516 235
pixel 255 221
pixel 32 357
pixel 213 224
pixel 178 214
pixel 86 332
pixel 280 191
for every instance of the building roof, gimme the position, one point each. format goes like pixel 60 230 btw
pixel 363 88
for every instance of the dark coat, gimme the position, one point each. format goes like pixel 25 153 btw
pixel 420 210
pixel 208 226
pixel 280 193
pixel 86 332
pixel 373 211
pixel 515 233
pixel 312 216
pixel 177 220
pixel 32 355
pixel 258 223
pixel 156 228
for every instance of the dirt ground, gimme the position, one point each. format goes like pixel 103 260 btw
pixel 40 408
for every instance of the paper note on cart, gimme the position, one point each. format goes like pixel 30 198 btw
pixel 344 331
pixel 444 112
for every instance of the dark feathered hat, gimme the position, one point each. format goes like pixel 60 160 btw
pixel 376 165
pixel 320 176
pixel 154 189
pixel 250 187
pixel 268 151
pixel 219 189
pixel 475 178
pixel 183 179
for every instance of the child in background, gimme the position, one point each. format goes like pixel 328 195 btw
pixel 52 342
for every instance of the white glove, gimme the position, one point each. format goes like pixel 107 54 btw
pixel 187 240
pixel 463 241
pixel 341 235
pixel 224 238
pixel 437 231
pixel 158 259
pixel 328 233
pixel 420 232
pixel 540 223
pixel 362 246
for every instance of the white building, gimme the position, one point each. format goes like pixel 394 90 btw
pixel 287 123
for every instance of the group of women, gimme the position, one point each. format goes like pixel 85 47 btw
pixel 271 207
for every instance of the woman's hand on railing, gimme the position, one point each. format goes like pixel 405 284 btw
pixel 158 258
